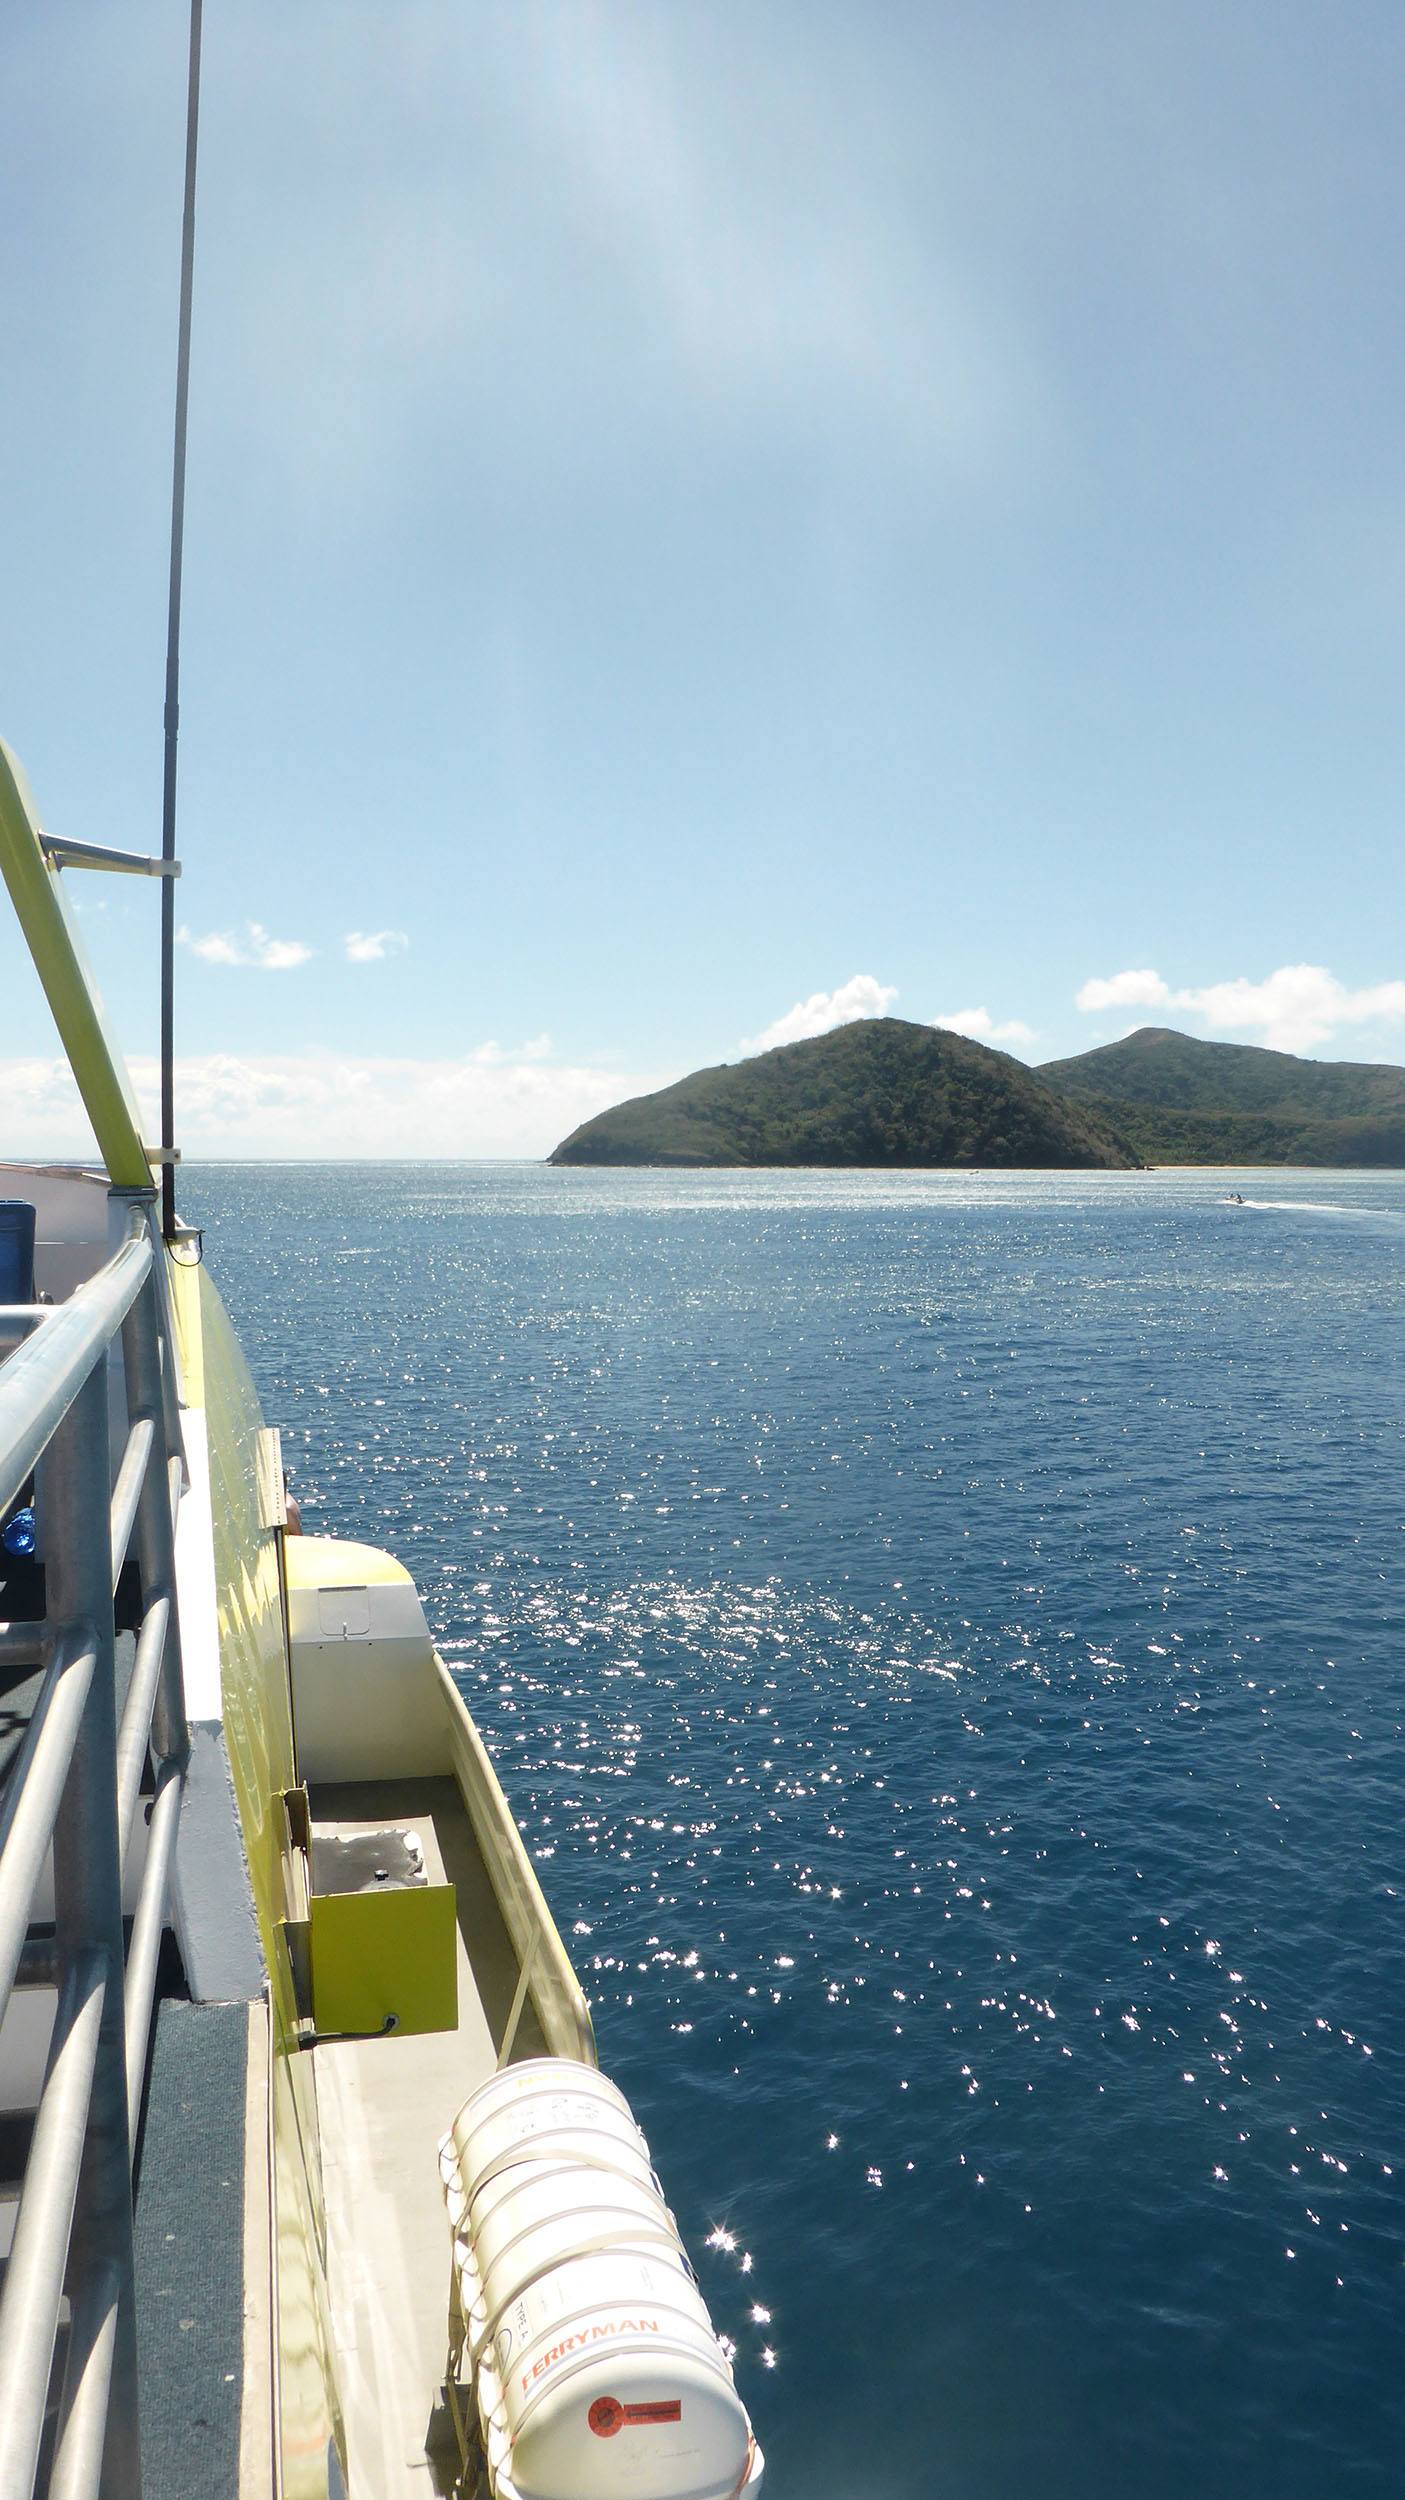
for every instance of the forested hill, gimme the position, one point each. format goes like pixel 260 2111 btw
pixel 1178 1100
pixel 880 1093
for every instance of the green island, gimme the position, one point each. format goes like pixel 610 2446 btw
pixel 879 1094
pixel 888 1095
pixel 1178 1100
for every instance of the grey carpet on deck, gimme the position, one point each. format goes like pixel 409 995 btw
pixel 190 2253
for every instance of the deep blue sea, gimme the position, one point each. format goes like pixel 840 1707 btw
pixel 944 1639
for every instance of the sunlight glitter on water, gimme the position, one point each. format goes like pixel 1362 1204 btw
pixel 935 1635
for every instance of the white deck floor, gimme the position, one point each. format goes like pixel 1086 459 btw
pixel 383 2106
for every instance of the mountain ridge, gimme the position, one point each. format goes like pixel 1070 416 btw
pixel 1178 1099
pixel 879 1093
pixel 885 1094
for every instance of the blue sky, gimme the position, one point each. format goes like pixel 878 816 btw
pixel 704 519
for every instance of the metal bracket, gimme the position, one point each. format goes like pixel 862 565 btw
pixel 61 853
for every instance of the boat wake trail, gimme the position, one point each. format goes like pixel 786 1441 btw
pixel 1323 1206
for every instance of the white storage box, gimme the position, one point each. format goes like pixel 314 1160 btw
pixel 366 1697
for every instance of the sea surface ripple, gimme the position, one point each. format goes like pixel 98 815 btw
pixel 941 1637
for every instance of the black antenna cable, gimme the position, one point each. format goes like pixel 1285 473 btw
pixel 173 636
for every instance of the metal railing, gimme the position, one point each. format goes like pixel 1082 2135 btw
pixel 75 1785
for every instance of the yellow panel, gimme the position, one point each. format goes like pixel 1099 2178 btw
pixel 309 2411
pixel 377 1954
pixel 556 1991
pixel 258 1722
pixel 259 1737
pixel 183 1276
pixel 36 891
pixel 333 1562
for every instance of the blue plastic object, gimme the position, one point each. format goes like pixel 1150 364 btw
pixel 16 1250
pixel 18 1534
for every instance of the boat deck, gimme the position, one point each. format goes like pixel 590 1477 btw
pixel 202 2257
pixel 199 2190
pixel 382 2107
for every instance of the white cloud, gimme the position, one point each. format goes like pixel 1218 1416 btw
pixel 213 949
pixel 824 1011
pixel 273 954
pixel 254 948
pixel 861 996
pixel 1123 989
pixel 317 1103
pixel 1295 1008
pixel 44 1113
pixel 371 946
pixel 978 1025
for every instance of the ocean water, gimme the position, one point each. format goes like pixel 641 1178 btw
pixel 942 1637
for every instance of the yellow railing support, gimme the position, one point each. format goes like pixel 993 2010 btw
pixel 42 912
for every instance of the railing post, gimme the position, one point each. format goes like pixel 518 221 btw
pixel 75 1490
pixel 148 1378
pixel 141 1207
pixel 170 1358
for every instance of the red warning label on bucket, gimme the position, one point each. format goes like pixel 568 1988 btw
pixel 607 2415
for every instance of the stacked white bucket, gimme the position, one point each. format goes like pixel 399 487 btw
pixel 595 2365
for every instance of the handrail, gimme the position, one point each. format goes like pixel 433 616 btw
pixel 74 1785
pixel 29 2314
pixel 37 894
pixel 44 1375
pixel 544 1966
